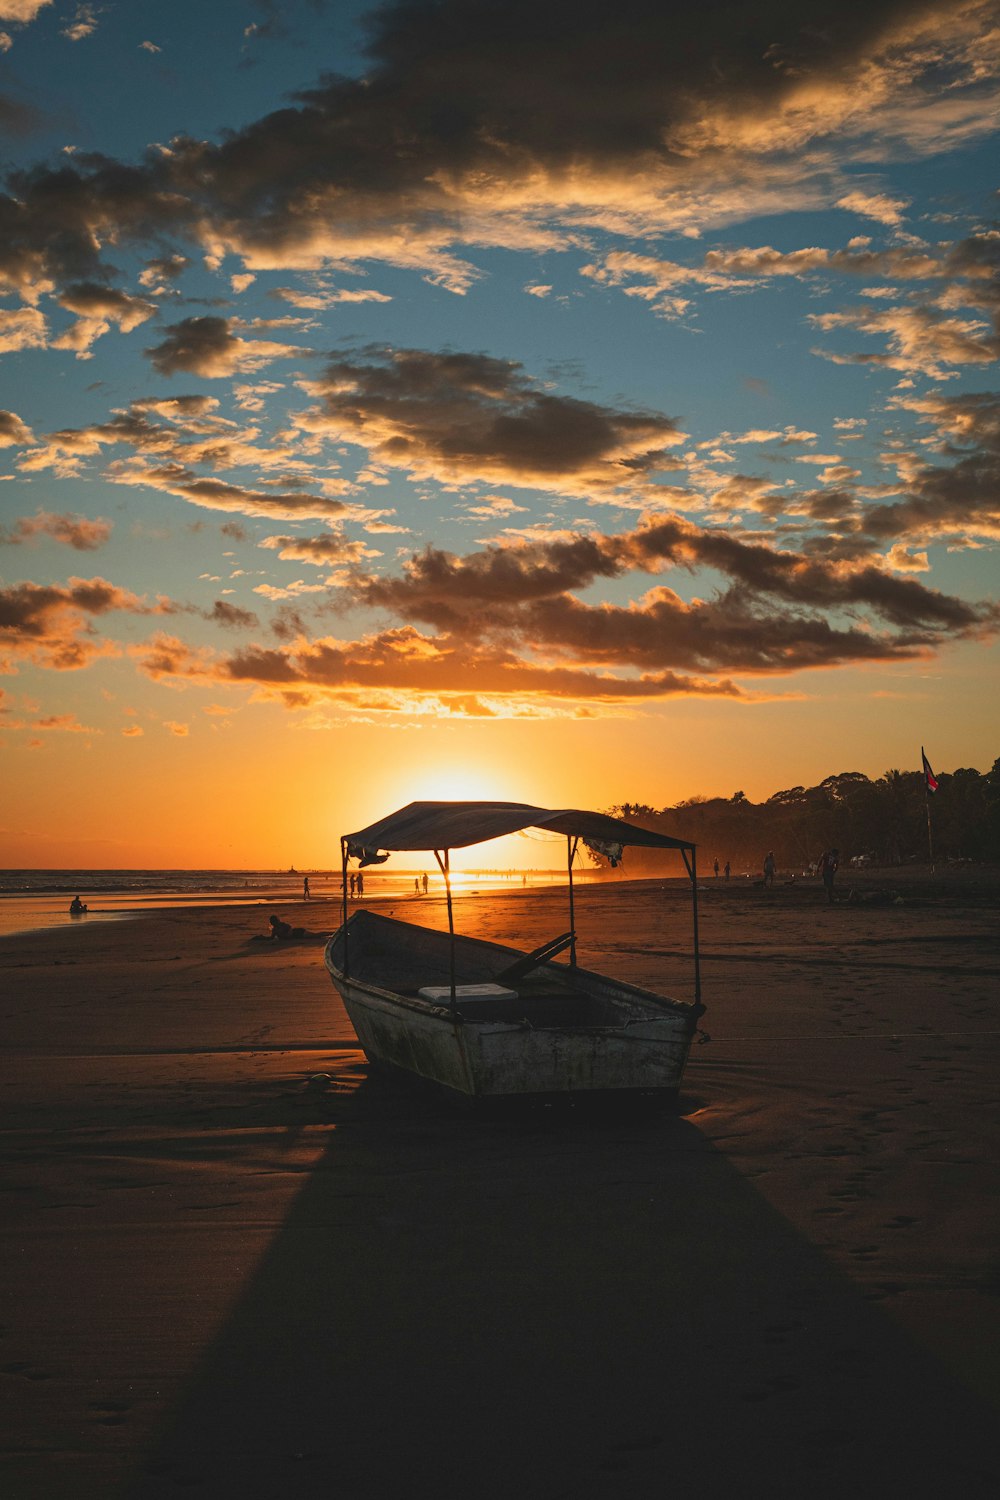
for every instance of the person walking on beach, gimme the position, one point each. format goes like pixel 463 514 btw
pixel 828 868
pixel 305 887
pixel 769 868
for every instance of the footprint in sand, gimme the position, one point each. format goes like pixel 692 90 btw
pixel 23 1368
pixel 112 1413
pixel 790 1326
pixel 637 1444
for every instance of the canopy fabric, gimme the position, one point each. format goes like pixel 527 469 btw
pixel 455 825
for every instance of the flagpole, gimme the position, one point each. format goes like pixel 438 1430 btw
pixel 927 808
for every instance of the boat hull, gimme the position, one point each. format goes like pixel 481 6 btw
pixel 484 1059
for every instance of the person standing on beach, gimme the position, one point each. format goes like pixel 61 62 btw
pixel 354 881
pixel 361 885
pixel 305 888
pixel 726 870
pixel 715 867
pixel 423 882
pixel 828 864
pixel 769 868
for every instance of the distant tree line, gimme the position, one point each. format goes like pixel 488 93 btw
pixel 884 822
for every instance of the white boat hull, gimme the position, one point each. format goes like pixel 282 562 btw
pixel 501 1059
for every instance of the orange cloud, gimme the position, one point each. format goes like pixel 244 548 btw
pixel 51 624
pixel 73 531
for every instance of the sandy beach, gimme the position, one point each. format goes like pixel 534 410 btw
pixel 236 1266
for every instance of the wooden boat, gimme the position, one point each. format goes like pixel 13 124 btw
pixel 481 1020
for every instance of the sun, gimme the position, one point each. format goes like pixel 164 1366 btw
pixel 456 784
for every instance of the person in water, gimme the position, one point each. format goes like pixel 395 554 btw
pixel 76 907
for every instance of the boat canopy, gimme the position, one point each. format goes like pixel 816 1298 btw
pixel 455 825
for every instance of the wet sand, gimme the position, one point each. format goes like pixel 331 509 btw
pixel 225 1277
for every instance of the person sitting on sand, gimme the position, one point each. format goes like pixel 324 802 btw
pixel 280 931
pixel 76 907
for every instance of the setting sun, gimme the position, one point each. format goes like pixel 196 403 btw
pixel 454 783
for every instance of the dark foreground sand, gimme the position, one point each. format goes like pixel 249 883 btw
pixel 222 1279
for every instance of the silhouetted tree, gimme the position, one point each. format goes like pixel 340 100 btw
pixel 884 820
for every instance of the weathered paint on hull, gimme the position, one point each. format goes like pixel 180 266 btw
pixel 494 1060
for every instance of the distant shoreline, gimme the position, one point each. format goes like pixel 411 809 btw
pixel 48 911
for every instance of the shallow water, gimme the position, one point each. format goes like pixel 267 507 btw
pixel 33 900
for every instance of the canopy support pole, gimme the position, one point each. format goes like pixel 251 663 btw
pixel 445 865
pixel 343 890
pixel 692 869
pixel 571 846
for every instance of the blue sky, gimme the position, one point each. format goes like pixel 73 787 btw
pixel 527 388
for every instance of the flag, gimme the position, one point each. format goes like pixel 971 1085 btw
pixel 930 780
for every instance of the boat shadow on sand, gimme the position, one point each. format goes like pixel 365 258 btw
pixel 550 1303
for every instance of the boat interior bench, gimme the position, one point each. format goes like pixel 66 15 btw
pixel 554 1004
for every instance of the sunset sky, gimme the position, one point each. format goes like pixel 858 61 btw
pixel 557 402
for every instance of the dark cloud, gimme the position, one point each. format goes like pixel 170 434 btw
pixel 568 113
pixel 51 624
pixel 91 299
pixel 19 119
pixel 440 587
pixel 97 308
pixel 206 346
pixel 781 611
pixel 734 632
pixel 955 501
pixel 54 221
pixel 162 271
pixel 231 617
pixel 216 494
pixel 463 417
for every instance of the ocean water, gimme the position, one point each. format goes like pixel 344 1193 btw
pixel 37 899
